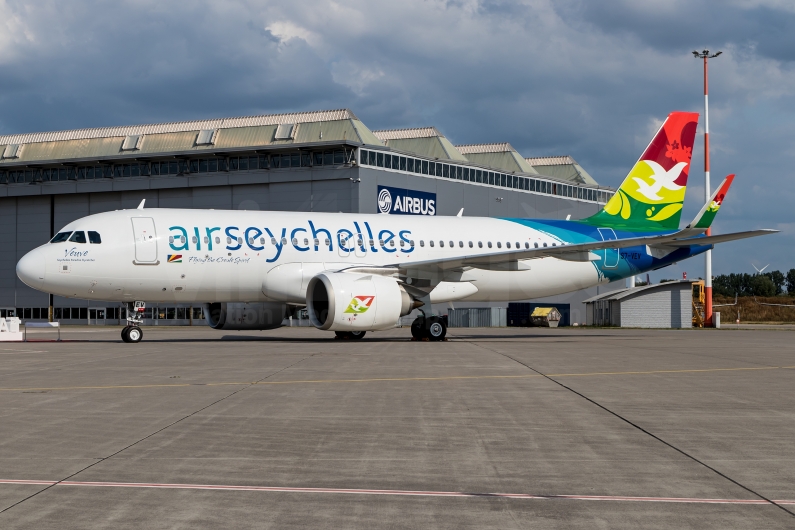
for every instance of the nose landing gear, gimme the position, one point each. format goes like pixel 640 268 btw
pixel 132 331
pixel 132 334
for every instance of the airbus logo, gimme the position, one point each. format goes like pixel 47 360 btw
pixel 384 201
pixel 401 201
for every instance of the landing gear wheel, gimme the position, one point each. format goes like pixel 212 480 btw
pixel 436 329
pixel 124 332
pixel 350 335
pixel 418 330
pixel 134 334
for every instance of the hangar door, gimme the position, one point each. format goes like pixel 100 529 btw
pixel 145 239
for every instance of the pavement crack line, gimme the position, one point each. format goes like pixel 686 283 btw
pixel 150 435
pixel 641 429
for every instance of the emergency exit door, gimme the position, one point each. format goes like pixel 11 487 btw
pixel 145 240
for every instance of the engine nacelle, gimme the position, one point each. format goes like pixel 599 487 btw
pixel 340 301
pixel 242 315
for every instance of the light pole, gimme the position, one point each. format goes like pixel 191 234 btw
pixel 705 55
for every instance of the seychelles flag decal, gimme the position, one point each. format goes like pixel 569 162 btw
pixel 175 258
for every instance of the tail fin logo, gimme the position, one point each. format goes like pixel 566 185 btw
pixel 651 196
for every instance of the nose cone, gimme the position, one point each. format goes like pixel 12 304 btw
pixel 30 269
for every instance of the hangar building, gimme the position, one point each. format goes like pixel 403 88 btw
pixel 326 161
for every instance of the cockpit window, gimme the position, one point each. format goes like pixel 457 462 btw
pixel 60 237
pixel 93 237
pixel 78 237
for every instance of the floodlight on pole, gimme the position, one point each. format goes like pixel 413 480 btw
pixel 705 55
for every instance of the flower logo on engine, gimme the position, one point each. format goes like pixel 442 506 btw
pixel 360 304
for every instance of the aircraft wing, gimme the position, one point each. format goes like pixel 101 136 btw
pixel 507 260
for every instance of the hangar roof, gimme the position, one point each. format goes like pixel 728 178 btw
pixel 332 126
pixel 423 141
pixel 620 294
pixel 499 155
pixel 561 167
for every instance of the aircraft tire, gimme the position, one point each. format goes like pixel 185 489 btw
pixel 436 329
pixel 357 335
pixel 124 336
pixel 418 330
pixel 134 334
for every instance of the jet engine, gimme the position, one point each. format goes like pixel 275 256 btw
pixel 340 301
pixel 242 315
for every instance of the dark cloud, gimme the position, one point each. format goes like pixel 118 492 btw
pixel 589 79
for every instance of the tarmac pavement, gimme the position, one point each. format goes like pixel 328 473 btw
pixel 495 428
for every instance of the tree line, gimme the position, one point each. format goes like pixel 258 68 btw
pixel 772 283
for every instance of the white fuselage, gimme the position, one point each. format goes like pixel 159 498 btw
pixel 251 256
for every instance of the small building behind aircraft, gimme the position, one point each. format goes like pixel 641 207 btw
pixel 662 305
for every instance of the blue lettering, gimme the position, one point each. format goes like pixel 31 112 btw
pixel 317 232
pixel 360 236
pixel 346 238
pixel 295 241
pixel 233 237
pixel 387 240
pixel 250 239
pixel 278 244
pixel 408 247
pixel 369 233
pixel 184 238
pixel 210 236
pixel 198 238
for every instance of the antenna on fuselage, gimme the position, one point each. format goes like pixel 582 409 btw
pixel 460 212
pixel 141 206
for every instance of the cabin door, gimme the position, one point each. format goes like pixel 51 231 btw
pixel 145 240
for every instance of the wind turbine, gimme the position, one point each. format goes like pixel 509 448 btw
pixel 760 271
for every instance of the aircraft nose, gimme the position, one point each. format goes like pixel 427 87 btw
pixel 30 269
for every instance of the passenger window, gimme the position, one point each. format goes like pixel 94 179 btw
pixel 480 244
pixel 411 243
pixel 93 237
pixel 431 242
pixel 470 244
pixel 327 242
pixel 508 244
pixel 316 242
pixel 441 243
pixel 194 239
pixel 451 244
pixel 217 239
pixel 517 245
pixel 527 245
pixel 402 243
pixel 499 244
pixel 273 241
pixel 61 237
pixel 535 245
pixel 262 241
pixel 306 242
pixel 545 244
pixel 422 242
pixel 392 242
pixel 78 237
pixel 489 244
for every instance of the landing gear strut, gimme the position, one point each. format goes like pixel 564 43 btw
pixel 132 331
pixel 431 328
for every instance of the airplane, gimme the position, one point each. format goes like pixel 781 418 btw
pixel 356 273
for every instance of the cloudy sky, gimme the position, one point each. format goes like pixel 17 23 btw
pixel 588 79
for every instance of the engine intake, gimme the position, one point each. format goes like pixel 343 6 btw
pixel 340 301
pixel 242 315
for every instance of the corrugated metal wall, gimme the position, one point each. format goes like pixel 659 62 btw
pixel 661 308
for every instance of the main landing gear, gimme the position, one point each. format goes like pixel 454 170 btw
pixel 349 335
pixel 132 331
pixel 430 328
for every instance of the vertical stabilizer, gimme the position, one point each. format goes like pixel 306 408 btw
pixel 652 194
